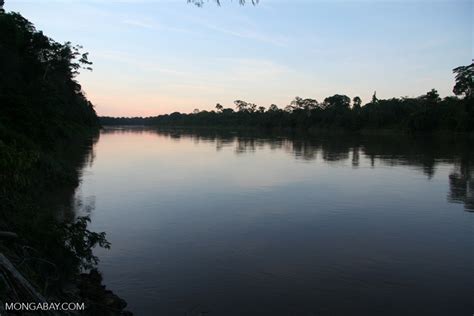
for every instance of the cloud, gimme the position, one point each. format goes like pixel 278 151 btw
pixel 252 35
pixel 125 58
pixel 151 25
pixel 245 29
pixel 141 24
pixel 249 34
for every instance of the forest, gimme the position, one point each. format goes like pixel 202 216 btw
pixel 426 113
pixel 47 129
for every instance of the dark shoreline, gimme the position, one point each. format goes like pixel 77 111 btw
pixel 38 209
pixel 297 131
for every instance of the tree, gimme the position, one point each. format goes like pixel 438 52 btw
pixel 374 98
pixel 464 81
pixel 241 106
pixel 337 101
pixel 273 108
pixel 296 104
pixel 252 108
pixel 219 107
pixel 432 96
pixel 261 109
pixel 356 103
pixel 303 104
pixel 227 111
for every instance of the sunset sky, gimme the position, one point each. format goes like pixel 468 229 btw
pixel 156 57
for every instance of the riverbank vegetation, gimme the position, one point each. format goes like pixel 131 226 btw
pixel 426 113
pixel 47 129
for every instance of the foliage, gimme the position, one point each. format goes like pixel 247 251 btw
pixel 464 81
pixel 38 90
pixel 427 113
pixel 79 241
pixel 46 129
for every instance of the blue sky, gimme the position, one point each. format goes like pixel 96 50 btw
pixel 155 57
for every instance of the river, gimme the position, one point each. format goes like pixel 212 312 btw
pixel 224 223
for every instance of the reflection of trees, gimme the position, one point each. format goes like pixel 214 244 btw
pixel 421 153
pixel 355 156
pixel 333 151
pixel 40 209
pixel 223 142
pixel 461 184
pixel 244 145
pixel 78 155
pixel 303 149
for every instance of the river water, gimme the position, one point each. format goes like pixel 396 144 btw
pixel 223 223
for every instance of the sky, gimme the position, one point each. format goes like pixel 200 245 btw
pixel 160 56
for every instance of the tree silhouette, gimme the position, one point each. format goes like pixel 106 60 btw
pixel 273 108
pixel 357 102
pixel 241 106
pixel 400 114
pixel 374 97
pixel 432 96
pixel 337 101
pixel 464 81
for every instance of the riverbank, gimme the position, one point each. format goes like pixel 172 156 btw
pixel 426 113
pixel 45 245
pixel 47 130
pixel 314 132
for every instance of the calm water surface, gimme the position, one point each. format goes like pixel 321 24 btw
pixel 229 224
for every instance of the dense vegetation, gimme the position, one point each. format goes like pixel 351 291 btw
pixel 46 132
pixel 426 113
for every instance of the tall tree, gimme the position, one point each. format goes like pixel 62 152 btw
pixel 241 106
pixel 374 97
pixel 337 101
pixel 431 96
pixel 464 81
pixel 273 108
pixel 356 102
pixel 303 104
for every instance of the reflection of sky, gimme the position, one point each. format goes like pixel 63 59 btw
pixel 153 57
pixel 190 224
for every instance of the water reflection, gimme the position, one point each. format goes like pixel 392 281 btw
pixel 78 155
pixel 461 184
pixel 238 223
pixel 423 153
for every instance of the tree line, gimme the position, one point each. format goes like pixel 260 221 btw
pixel 425 113
pixel 46 124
